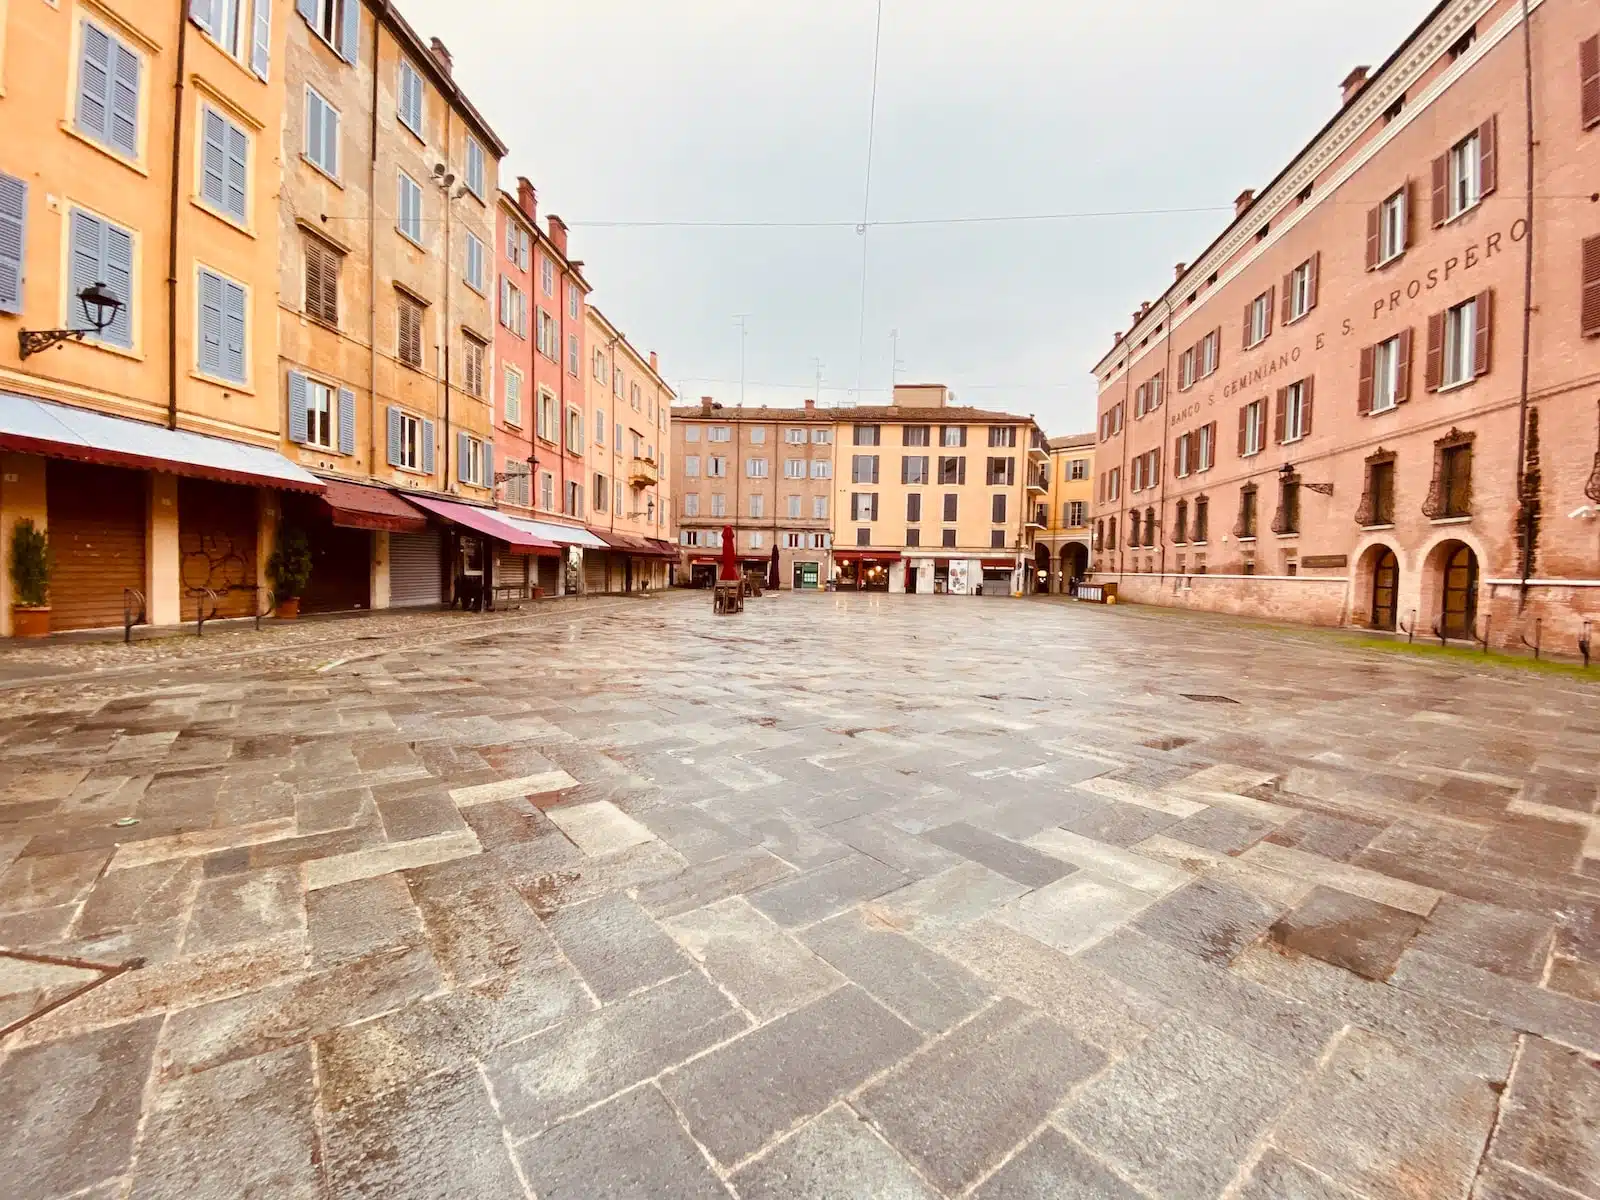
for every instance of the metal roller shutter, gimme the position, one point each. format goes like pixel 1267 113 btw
pixel 594 571
pixel 217 545
pixel 549 574
pixel 415 574
pixel 96 519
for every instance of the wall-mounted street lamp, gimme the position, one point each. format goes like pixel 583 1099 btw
pixel 100 309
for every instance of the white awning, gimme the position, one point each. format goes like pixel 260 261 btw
pixel 31 426
pixel 554 531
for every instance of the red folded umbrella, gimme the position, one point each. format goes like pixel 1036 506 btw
pixel 772 571
pixel 729 570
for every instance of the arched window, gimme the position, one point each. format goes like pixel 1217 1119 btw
pixel 1149 527
pixel 1099 534
pixel 1133 529
pixel 1180 532
pixel 1111 533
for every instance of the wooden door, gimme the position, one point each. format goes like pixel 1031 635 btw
pixel 1385 586
pixel 1460 616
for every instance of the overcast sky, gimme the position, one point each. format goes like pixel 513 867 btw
pixel 746 111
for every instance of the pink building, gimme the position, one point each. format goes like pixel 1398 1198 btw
pixel 1334 414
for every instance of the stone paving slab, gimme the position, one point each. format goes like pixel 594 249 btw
pixel 766 970
pixel 837 1154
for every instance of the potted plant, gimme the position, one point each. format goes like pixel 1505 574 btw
pixel 30 580
pixel 289 569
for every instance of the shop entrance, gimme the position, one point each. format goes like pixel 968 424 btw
pixel 1385 589
pixel 806 576
pixel 1458 617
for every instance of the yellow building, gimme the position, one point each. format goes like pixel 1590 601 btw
pixel 630 419
pixel 1062 550
pixel 386 350
pixel 139 151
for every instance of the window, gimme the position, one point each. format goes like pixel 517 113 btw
pixel 1210 345
pixel 1450 493
pixel 1387 229
pixel 408 328
pixel 863 537
pixel 1077 514
pixel 1202 511
pixel 474 274
pixel 867 435
pixel 409 219
pixel 1246 525
pixel 1378 504
pixel 819 508
pixel 1287 519
pixel 1459 339
pixel 107 108
pixel 313 403
pixel 864 467
pixel 915 435
pixel 1294 409
pixel 224 165
pixel 547 275
pixel 717 467
pixel 1186 369
pixel 618 442
pixel 1002 471
pixel 756 468
pixel 549 337
pixel 691 433
pixel 408 102
pixel 1078 468
pixel 947 537
pixel 913 537
pixel 1300 289
pixel 914 468
pixel 572 354
pixel 718 433
pixel 337 22
pixel 950 502
pixel 547 491
pixel 575 430
pixel 470 460
pixel 472 365
pixel 475 172
pixel 322 134
pixel 410 442
pixel 1258 319
pixel 794 468
pixel 1133 529
pixel 1116 419
pixel 952 469
pixel 758 540
pixel 1180 529
pixel 573 499
pixel 758 435
pixel 1114 484
pixel 691 504
pixel 513 396
pixel 323 264
pixel 952 435
pixel 1206 455
pixel 1182 455
pixel 792 507
pixel 574 303
pixel 1252 428
pixel 546 425
pixel 1589 297
pixel 794 437
pixel 1385 374
pixel 821 468
pixel 1589 81
pixel 997 539
pixel 863 506
pixel 1465 176
pixel 13 230
pixel 513 307
pixel 997 508
pixel 822 437
pixel 914 508
pixel 524 254
pixel 1002 435
pixel 758 504
pixel 1147 396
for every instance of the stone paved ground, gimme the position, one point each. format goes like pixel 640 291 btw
pixel 848 896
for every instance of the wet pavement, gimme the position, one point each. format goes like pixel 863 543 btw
pixel 845 896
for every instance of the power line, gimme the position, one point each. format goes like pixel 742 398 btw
pixel 866 196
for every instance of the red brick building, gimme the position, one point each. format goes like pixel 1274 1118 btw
pixel 1350 409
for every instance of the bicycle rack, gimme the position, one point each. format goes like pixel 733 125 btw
pixel 201 595
pixel 1411 630
pixel 1439 634
pixel 1484 640
pixel 1585 641
pixel 132 612
pixel 1538 636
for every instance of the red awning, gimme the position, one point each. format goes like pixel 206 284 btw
pixel 629 544
pixel 357 507
pixel 880 555
pixel 488 523
pixel 1000 564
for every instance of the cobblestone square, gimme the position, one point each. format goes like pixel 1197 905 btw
pixel 848 895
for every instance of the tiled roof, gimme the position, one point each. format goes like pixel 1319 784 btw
pixel 1071 441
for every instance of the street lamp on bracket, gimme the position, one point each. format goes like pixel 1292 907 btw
pixel 100 309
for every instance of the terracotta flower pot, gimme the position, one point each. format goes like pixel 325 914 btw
pixel 28 621
pixel 287 610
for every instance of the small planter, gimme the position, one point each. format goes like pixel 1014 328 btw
pixel 287 610
pixel 30 620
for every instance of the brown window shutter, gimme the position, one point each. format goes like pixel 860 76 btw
pixel 1316 272
pixel 1433 371
pixel 313 278
pixel 1280 415
pixel 1247 309
pixel 1402 384
pixel 1369 358
pixel 1485 334
pixel 1270 298
pixel 1288 297
pixel 1441 190
pixel 1242 429
pixel 1591 287
pixel 1408 226
pixel 1309 387
pixel 1155 466
pixel 1488 155
pixel 1589 80
pixel 1374 243
pixel 1177 449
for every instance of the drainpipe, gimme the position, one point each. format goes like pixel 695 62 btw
pixel 1525 512
pixel 449 113
pixel 1168 388
pixel 1122 474
pixel 172 230
pixel 372 258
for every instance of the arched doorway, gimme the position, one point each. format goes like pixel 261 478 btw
pixel 1041 569
pixel 1385 589
pixel 1458 609
pixel 1074 564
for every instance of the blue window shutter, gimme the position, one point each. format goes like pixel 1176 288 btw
pixel 13 241
pixel 261 38
pixel 233 327
pixel 307 9
pixel 427 447
pixel 350 31
pixel 394 436
pixel 118 267
pixel 488 466
pixel 299 397
pixel 124 126
pixel 204 14
pixel 461 458
pixel 347 421
pixel 330 139
pixel 316 125
pixel 94 84
pixel 214 160
pixel 210 323
pixel 238 161
pixel 87 255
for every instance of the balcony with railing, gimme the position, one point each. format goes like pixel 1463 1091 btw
pixel 1037 445
pixel 1038 517
pixel 1038 478
pixel 643 472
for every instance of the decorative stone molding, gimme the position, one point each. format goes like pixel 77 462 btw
pixel 1437 505
pixel 1592 488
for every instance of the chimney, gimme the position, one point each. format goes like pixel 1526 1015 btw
pixel 811 406
pixel 1245 199
pixel 558 233
pixel 1353 83
pixel 527 199
pixel 1177 271
pixel 443 55
pixel 654 365
pixel 1116 339
pixel 705 406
